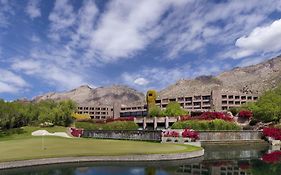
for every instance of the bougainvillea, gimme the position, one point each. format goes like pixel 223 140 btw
pixel 185 117
pixel 215 115
pixel 273 157
pixel 245 114
pixel 120 119
pixel 76 132
pixel 189 133
pixel 208 116
pixel 171 134
pixel 275 133
pixel 244 165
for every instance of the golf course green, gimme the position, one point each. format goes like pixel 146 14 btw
pixel 25 147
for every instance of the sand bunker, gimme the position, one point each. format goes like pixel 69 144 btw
pixel 46 133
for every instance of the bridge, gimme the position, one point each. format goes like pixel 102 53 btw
pixel 155 122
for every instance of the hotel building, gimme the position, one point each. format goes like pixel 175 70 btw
pixel 216 100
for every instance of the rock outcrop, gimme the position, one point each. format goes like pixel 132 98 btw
pixel 253 79
pixel 98 96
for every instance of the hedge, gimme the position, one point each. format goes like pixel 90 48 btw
pixel 118 125
pixel 217 124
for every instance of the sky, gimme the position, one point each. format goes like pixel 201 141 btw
pixel 48 45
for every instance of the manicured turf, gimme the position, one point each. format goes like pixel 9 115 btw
pixel 28 147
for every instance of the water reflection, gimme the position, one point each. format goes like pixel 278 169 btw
pixel 228 160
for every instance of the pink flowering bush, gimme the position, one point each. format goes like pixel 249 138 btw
pixel 188 133
pixel 75 132
pixel 171 134
pixel 120 119
pixel 208 116
pixel 275 133
pixel 215 115
pixel 245 114
pixel 274 157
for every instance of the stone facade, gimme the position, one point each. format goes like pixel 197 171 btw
pixel 216 100
pixel 125 135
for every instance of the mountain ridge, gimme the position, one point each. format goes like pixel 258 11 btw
pixel 253 79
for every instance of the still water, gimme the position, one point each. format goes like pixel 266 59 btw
pixel 218 160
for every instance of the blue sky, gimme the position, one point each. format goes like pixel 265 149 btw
pixel 48 45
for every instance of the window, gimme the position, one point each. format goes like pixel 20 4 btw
pixel 197 97
pixel 206 97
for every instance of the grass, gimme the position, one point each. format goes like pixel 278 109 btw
pixel 25 147
pixel 25 132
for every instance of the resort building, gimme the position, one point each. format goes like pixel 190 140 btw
pixel 136 111
pixel 216 100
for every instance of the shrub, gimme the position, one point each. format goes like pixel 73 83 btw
pixel 190 134
pixel 81 116
pixel 234 111
pixel 185 117
pixel 267 108
pixel 117 125
pixel 215 115
pixel 174 109
pixel 216 124
pixel 119 119
pixel 171 134
pixel 273 157
pixel 245 114
pixel 208 116
pixel 154 111
pixel 76 132
pixel 275 133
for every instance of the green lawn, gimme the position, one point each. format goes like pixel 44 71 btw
pixel 23 147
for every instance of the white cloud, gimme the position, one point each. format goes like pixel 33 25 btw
pixel 55 68
pixel 62 17
pixel 32 9
pixel 161 77
pixel 218 24
pixel 5 11
pixel 127 27
pixel 35 39
pixel 141 81
pixel 264 39
pixel 11 82
pixel 87 37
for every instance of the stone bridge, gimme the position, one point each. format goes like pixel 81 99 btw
pixel 155 122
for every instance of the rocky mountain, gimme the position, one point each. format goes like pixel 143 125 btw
pixel 98 96
pixel 251 79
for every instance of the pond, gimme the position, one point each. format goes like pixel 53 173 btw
pixel 218 160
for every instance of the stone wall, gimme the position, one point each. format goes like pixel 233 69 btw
pixel 229 135
pixel 125 135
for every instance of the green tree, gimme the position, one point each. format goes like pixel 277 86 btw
pixel 174 109
pixel 154 111
pixel 268 106
pixel 17 114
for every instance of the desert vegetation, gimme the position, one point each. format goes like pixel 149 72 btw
pixel 172 109
pixel 49 112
